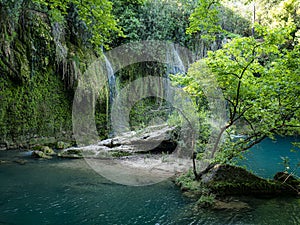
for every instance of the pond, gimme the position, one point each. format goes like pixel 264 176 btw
pixel 266 158
pixel 70 192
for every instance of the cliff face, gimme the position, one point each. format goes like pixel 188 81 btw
pixel 40 61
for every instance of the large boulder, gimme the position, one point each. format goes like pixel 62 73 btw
pixel 44 152
pixel 40 154
pixel 154 140
pixel 233 180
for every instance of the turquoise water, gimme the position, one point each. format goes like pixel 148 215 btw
pixel 69 192
pixel 265 159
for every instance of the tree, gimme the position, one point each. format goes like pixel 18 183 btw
pixel 205 19
pixel 260 83
pixel 212 22
pixel 95 16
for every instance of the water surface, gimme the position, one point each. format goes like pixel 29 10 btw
pixel 70 192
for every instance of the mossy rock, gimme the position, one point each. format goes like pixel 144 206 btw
pixel 45 149
pixel 228 180
pixel 20 161
pixel 71 154
pixel 233 180
pixel 40 154
pixel 62 145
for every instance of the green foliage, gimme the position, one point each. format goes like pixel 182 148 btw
pixel 95 15
pixel 120 154
pixel 206 200
pixel 153 20
pixel 40 108
pixel 260 82
pixel 205 19
pixel 149 112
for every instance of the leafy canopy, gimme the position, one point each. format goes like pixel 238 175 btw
pixel 95 15
pixel 259 80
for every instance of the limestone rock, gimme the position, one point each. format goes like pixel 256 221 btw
pixel 71 154
pixel 47 150
pixel 62 145
pixel 154 139
pixel 40 154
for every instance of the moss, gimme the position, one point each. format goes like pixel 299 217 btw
pixel 120 154
pixel 188 184
pixel 71 153
pixel 40 154
pixel 39 109
pixel 223 180
pixel 206 201
pixel 62 145
pixel 36 90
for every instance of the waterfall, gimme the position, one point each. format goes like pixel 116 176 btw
pixel 111 80
pixel 174 62
pixel 175 65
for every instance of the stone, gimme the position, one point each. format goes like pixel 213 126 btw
pixel 20 161
pixel 159 139
pixel 3 162
pixel 4 146
pixel 62 145
pixel 71 153
pixel 40 154
pixel 231 205
pixel 47 150
pixel 234 180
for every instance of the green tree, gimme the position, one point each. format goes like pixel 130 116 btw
pixel 94 15
pixel 260 83
pixel 205 19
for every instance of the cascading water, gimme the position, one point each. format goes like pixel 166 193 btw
pixel 175 64
pixel 111 80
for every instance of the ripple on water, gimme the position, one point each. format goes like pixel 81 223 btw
pixel 69 192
